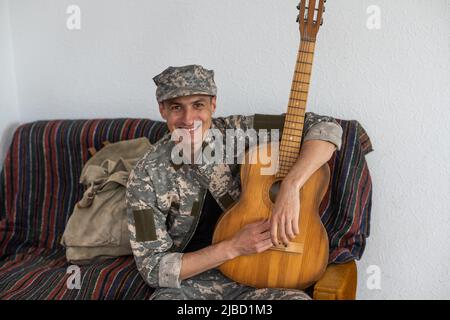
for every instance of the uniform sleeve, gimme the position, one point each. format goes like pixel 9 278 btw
pixel 324 128
pixel 149 238
pixel 316 127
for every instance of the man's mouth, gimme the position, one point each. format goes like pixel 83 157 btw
pixel 191 129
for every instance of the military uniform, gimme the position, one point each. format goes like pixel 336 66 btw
pixel 165 199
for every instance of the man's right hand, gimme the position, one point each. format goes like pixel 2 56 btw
pixel 252 238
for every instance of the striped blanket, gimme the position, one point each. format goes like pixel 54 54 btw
pixel 39 188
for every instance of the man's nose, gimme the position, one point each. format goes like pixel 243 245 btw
pixel 189 117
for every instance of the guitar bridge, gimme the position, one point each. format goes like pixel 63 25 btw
pixel 293 247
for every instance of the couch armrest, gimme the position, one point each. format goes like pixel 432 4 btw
pixel 338 283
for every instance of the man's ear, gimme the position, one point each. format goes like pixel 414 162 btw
pixel 162 110
pixel 213 103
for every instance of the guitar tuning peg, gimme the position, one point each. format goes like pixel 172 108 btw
pixel 298 6
pixel 298 18
pixel 321 21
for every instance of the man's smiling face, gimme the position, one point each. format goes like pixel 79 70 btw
pixel 192 113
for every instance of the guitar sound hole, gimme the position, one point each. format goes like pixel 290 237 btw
pixel 274 190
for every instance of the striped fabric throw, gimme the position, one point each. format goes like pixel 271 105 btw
pixel 345 209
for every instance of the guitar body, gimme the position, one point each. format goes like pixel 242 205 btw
pixel 300 264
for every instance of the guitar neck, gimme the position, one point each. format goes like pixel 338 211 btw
pixel 295 116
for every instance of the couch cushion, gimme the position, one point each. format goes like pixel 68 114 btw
pixel 42 274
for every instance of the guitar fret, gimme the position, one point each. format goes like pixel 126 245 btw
pixel 289 157
pixel 292 138
pixel 291 144
pixel 305 51
pixel 296 81
pixel 293 127
pixel 289 128
pixel 295 146
pixel 310 63
pixel 289 147
pixel 301 115
pixel 298 99
pixel 294 122
pixel 299 91
pixel 298 114
pixel 294 156
pixel 287 163
pixel 296 150
pixel 295 138
pixel 296 106
pixel 303 73
pixel 294 143
pixel 291 134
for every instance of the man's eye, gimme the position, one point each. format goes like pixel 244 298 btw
pixel 175 108
pixel 198 105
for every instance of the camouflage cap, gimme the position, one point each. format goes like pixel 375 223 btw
pixel 184 81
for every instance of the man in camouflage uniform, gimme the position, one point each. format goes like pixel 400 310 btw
pixel 165 199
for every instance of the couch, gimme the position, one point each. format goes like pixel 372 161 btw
pixel 39 188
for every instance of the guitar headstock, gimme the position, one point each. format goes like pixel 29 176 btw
pixel 310 17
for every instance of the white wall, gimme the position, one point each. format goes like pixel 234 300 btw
pixel 394 80
pixel 9 109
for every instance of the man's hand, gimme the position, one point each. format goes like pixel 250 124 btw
pixel 285 214
pixel 252 238
pixel 286 210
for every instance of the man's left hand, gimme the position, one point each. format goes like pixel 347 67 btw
pixel 285 214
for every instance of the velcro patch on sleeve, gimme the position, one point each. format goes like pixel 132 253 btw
pixel 144 221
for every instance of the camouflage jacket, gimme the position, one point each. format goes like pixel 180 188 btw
pixel 165 199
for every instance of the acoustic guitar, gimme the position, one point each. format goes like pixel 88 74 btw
pixel 305 259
